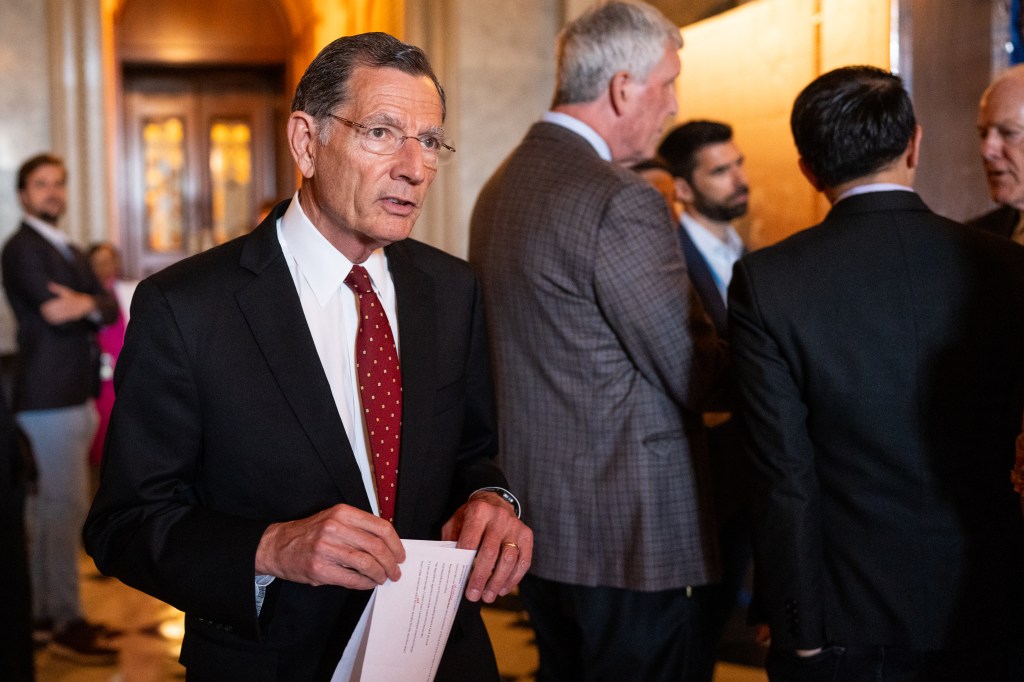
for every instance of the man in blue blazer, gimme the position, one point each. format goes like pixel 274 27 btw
pixel 239 484
pixel 710 183
pixel 881 373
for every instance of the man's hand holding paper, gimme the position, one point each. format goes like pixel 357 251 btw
pixel 503 543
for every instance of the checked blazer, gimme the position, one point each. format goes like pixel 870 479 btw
pixel 604 360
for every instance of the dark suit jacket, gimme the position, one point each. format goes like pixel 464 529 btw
pixel 605 360
pixel 225 422
pixel 881 366
pixel 58 365
pixel 704 282
pixel 730 479
pixel 1001 221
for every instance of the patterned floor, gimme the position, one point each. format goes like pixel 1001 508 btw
pixel 152 638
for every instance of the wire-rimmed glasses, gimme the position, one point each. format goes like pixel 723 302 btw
pixel 385 140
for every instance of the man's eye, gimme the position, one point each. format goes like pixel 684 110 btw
pixel 430 142
pixel 379 133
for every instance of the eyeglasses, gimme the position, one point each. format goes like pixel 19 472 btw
pixel 385 141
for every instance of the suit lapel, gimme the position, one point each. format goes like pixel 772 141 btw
pixel 416 300
pixel 272 309
pixel 703 281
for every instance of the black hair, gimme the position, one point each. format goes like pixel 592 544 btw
pixel 852 122
pixel 679 148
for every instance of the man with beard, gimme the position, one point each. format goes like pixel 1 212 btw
pixel 59 305
pixel 711 183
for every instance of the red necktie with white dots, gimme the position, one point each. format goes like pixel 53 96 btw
pixel 380 389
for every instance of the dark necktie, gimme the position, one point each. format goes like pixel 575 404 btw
pixel 380 389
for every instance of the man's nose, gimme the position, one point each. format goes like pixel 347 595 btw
pixel 410 163
pixel 991 143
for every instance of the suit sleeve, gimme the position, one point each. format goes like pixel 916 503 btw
pixel 643 290
pixel 29 270
pixel 147 526
pixel 787 513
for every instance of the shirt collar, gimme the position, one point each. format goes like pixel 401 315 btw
pixel 582 129
pixel 703 237
pixel 322 266
pixel 873 187
pixel 48 231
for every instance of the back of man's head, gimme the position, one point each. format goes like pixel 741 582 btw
pixel 618 35
pixel 852 122
pixel 679 148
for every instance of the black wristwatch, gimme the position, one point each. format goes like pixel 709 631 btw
pixel 505 495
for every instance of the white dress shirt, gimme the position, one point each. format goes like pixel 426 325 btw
pixel 332 314
pixel 582 129
pixel 720 255
pixel 51 234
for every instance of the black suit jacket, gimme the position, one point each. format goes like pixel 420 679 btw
pixel 225 423
pixel 1001 221
pixel 730 475
pixel 880 363
pixel 704 283
pixel 58 365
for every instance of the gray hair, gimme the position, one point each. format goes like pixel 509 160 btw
pixel 324 85
pixel 618 35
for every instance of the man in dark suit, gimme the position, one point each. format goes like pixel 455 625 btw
pixel 605 361
pixel 881 372
pixel 710 183
pixel 17 476
pixel 240 482
pixel 1001 129
pixel 59 305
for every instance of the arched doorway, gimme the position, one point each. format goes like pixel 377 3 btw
pixel 203 109
pixel 202 95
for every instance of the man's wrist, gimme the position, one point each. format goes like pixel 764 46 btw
pixel 503 494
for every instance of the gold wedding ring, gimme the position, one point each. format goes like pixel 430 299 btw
pixel 510 544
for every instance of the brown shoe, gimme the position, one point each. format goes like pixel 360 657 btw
pixel 78 641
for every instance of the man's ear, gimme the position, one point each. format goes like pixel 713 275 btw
pixel 618 93
pixel 684 192
pixel 809 174
pixel 914 148
pixel 303 141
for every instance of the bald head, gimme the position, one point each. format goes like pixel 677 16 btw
pixel 1001 130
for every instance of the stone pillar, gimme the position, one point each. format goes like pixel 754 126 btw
pixel 496 62
pixel 77 105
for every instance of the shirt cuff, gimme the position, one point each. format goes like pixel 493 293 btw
pixel 261 583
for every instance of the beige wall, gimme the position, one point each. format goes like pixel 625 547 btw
pixel 24 113
pixel 746 67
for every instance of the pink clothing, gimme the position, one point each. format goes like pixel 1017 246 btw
pixel 110 340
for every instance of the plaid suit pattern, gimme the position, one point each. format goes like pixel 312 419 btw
pixel 604 361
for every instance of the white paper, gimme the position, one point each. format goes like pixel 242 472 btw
pixel 410 619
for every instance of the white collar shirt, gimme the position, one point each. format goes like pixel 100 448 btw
pixel 332 314
pixel 51 234
pixel 720 255
pixel 582 129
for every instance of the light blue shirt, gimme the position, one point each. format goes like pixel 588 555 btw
pixel 720 256
pixel 581 129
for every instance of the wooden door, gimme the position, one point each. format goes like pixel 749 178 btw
pixel 202 156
